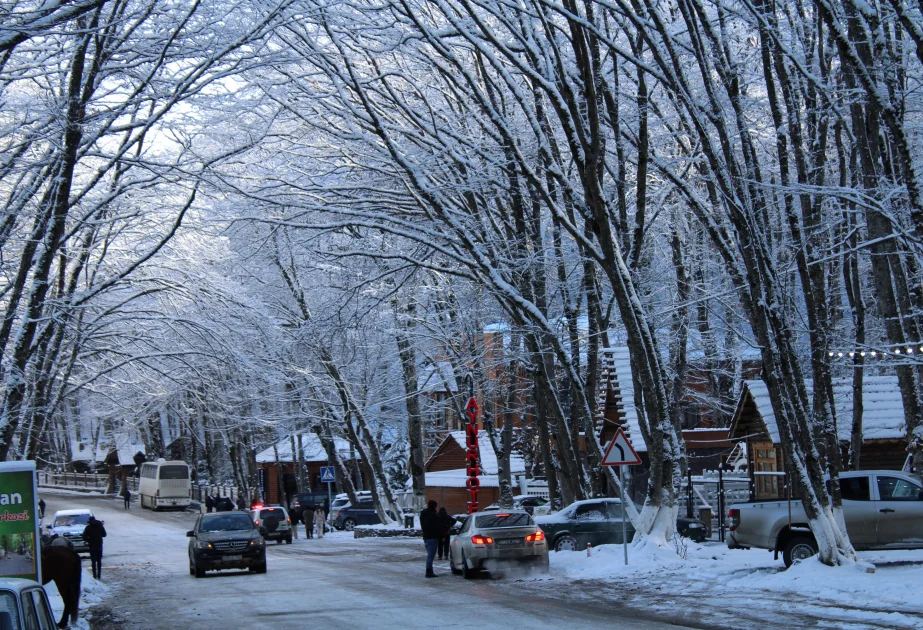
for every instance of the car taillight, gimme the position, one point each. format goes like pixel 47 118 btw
pixel 536 537
pixel 734 515
pixel 482 540
pixel 288 520
pixel 257 522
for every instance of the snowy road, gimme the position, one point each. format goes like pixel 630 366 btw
pixel 337 582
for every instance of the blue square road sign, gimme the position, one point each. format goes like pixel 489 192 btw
pixel 327 475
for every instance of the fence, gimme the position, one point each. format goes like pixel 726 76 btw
pixel 709 495
pixel 76 480
pixel 100 482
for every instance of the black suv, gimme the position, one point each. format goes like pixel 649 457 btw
pixel 225 540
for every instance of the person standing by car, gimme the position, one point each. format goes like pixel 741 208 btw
pixel 432 532
pixel 445 525
pixel 126 493
pixel 41 508
pixel 320 519
pixel 94 533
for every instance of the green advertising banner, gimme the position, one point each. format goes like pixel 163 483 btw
pixel 19 545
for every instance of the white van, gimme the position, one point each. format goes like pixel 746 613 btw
pixel 165 484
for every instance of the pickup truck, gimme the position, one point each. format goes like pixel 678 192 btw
pixel 883 510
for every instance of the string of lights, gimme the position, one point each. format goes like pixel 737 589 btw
pixel 893 352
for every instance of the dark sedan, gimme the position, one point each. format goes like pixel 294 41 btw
pixel 599 522
pixel 225 540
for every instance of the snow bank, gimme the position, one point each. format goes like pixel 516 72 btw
pixel 92 592
pixel 877 599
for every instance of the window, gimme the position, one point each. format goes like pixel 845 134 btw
pixel 894 489
pixel 504 520
pixel 41 609
pixel 174 472
pixel 590 512
pixel 30 621
pixel 9 611
pixel 226 523
pixel 853 488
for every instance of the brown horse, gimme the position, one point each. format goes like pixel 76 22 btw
pixel 62 566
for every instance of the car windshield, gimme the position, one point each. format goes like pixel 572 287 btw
pixel 174 472
pixel 339 503
pixel 277 512
pixel 9 615
pixel 226 523
pixel 504 520
pixel 66 520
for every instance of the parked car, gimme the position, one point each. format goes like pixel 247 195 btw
pixel 341 501
pixel 275 520
pixel 531 504
pixel 348 516
pixel 225 540
pixel 70 525
pixel 302 499
pixel 24 604
pixel 883 509
pixel 593 521
pixel 496 541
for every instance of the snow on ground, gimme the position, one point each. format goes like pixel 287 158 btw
pixel 92 592
pixel 887 598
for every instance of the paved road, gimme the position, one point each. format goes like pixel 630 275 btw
pixel 336 582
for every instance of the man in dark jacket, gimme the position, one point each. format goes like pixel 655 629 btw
pixel 126 493
pixel 94 533
pixel 432 531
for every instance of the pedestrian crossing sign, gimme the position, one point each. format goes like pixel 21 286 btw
pixel 327 475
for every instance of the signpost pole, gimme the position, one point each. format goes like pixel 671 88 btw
pixel 622 503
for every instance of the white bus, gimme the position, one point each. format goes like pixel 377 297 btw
pixel 165 484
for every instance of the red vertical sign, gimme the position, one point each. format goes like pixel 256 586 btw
pixel 471 433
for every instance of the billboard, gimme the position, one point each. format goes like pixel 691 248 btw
pixel 19 542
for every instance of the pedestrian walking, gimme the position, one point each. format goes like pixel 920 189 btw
pixel 319 521
pixel 94 533
pixel 432 532
pixel 242 503
pixel 307 515
pixel 126 493
pixel 446 521
pixel 209 503
pixel 293 516
pixel 41 508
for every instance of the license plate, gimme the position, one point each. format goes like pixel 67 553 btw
pixel 233 558
pixel 510 541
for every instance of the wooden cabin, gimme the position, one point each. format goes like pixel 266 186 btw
pixel 884 444
pixel 446 473
pixel 278 476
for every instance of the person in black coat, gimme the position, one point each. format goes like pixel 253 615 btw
pixel 432 532
pixel 307 515
pixel 446 521
pixel 94 533
pixel 41 508
pixel 209 503
pixel 126 493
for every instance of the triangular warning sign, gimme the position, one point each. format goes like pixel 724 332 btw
pixel 620 452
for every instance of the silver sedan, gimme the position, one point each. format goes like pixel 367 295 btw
pixel 498 541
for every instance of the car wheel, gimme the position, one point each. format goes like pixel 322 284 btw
pixel 261 568
pixel 349 524
pixel 288 541
pixel 468 574
pixel 199 573
pixel 565 543
pixel 455 570
pixel 799 548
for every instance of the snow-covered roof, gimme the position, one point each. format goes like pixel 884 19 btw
pixel 311 447
pixel 457 479
pixel 434 377
pixel 882 407
pixel 124 447
pixel 619 364
pixel 488 456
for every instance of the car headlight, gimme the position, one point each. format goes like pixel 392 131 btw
pixel 204 545
pixel 696 526
pixel 257 542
